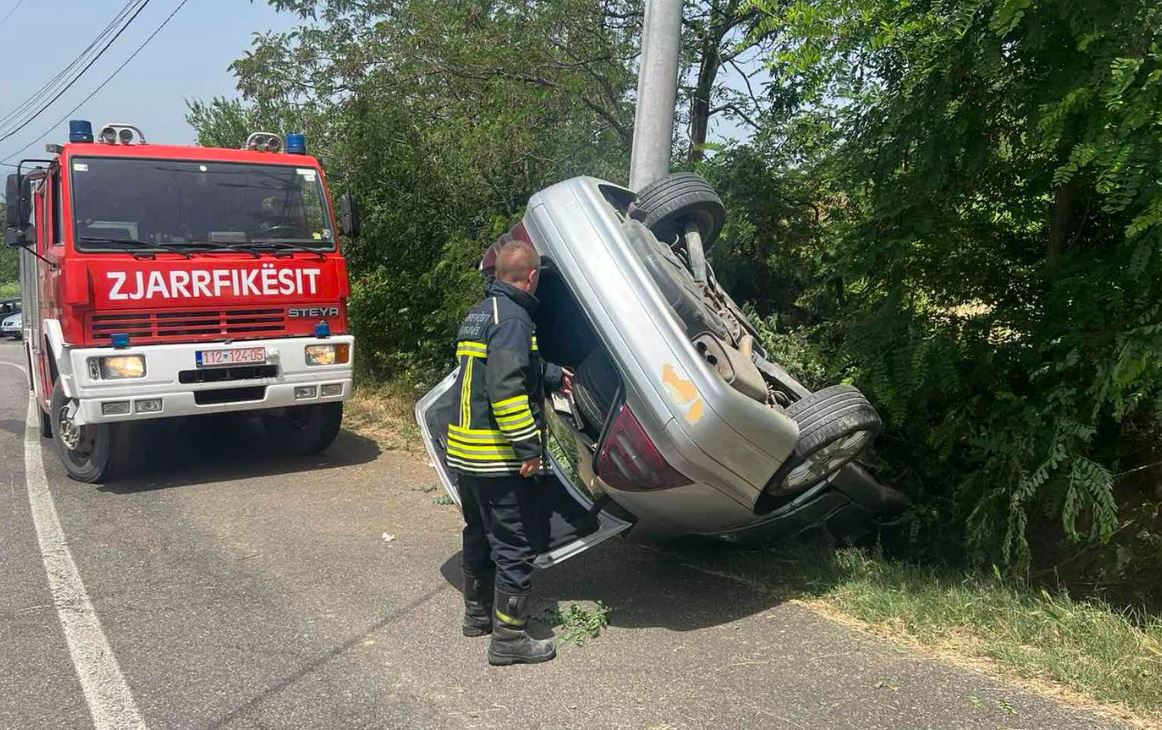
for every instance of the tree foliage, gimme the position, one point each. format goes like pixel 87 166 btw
pixel 9 262
pixel 995 220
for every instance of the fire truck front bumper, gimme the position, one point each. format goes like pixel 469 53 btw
pixel 163 381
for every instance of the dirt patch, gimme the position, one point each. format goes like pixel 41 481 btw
pixel 384 412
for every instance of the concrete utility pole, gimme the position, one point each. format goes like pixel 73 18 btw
pixel 657 90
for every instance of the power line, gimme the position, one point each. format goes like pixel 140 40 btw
pixel 109 78
pixel 81 73
pixel 52 83
pixel 10 12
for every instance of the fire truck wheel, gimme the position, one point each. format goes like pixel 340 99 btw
pixel 86 451
pixel 304 429
pixel 45 422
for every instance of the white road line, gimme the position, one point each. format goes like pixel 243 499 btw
pixel 110 701
pixel 14 365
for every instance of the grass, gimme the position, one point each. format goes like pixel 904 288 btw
pixel 383 412
pixel 9 289
pixel 1088 647
pixel 577 624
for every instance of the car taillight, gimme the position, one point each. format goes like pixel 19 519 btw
pixel 629 460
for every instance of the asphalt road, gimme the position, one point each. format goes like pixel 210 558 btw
pixel 235 588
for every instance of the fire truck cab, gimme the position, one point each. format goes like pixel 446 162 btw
pixel 166 281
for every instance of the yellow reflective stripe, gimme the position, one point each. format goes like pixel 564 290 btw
pixel 523 432
pixel 470 442
pixel 464 352
pixel 522 398
pixel 510 620
pixel 494 455
pixel 509 410
pixel 473 344
pixel 473 432
pixel 522 422
pixel 534 347
pixel 466 395
pixel 481 448
pixel 516 415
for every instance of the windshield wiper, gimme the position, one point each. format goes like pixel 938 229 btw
pixel 282 246
pixel 200 246
pixel 143 246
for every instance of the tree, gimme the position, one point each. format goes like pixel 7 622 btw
pixel 9 264
pixel 997 221
pixel 717 34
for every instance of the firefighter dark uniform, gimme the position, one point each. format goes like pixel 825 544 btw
pixel 495 428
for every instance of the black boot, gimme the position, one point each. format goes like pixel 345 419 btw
pixel 511 643
pixel 478 602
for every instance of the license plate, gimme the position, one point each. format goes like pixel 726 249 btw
pixel 247 355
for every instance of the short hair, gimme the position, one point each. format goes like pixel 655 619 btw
pixel 515 258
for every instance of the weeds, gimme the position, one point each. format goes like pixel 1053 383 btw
pixel 579 624
pixel 443 500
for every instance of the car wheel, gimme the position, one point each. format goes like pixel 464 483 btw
pixel 666 205
pixel 304 430
pixel 86 451
pixel 594 387
pixel 836 425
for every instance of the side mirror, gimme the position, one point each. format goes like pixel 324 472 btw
pixel 19 237
pixel 18 193
pixel 12 214
pixel 349 215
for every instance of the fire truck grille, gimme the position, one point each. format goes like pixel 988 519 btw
pixel 179 326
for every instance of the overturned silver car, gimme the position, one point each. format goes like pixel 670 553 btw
pixel 678 423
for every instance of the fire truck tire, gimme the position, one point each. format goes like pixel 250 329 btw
pixel 45 422
pixel 304 430
pixel 87 452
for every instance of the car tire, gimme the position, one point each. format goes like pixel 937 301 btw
pixel 836 425
pixel 595 385
pixel 87 452
pixel 666 205
pixel 304 430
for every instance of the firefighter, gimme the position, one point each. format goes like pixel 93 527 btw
pixel 494 445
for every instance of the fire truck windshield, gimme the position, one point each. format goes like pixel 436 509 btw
pixel 193 204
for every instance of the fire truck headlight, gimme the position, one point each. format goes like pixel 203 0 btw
pixel 331 354
pixel 122 366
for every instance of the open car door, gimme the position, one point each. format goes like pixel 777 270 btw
pixel 572 523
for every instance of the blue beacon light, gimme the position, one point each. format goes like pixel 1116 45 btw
pixel 296 143
pixel 80 130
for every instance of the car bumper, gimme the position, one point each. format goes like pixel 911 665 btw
pixel 162 394
pixel 847 505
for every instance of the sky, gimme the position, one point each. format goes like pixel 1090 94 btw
pixel 187 60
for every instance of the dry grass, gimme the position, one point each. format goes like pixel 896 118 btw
pixel 1084 652
pixel 384 413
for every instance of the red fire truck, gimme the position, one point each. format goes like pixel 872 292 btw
pixel 164 281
